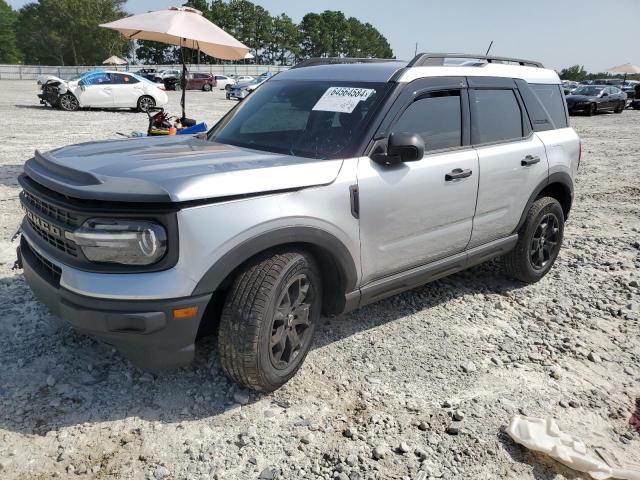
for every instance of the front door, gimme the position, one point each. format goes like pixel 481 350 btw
pixel 418 212
pixel 96 91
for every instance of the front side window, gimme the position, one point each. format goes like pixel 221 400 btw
pixel 552 98
pixel 436 118
pixel 495 116
pixel 313 119
pixel 100 78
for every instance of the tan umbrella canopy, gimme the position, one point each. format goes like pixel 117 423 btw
pixel 114 60
pixel 626 69
pixel 185 27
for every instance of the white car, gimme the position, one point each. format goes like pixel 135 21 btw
pixel 223 80
pixel 102 89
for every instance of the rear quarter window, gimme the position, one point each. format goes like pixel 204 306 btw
pixel 552 99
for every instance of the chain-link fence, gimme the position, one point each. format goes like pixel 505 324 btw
pixel 32 72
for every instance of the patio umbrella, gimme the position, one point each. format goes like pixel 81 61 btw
pixel 626 68
pixel 114 60
pixel 184 27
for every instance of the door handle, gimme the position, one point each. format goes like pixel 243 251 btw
pixel 529 160
pixel 457 173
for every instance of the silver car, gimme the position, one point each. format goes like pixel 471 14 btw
pixel 332 186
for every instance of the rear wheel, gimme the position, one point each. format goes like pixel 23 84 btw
pixel 593 109
pixel 539 242
pixel 146 102
pixel 206 87
pixel 268 319
pixel 68 102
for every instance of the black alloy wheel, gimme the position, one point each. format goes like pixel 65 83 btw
pixel 545 242
pixel 291 323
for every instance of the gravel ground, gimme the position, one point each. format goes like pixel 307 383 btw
pixel 418 386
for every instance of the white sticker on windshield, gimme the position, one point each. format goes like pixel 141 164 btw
pixel 342 99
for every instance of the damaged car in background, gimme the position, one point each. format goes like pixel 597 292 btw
pixel 101 89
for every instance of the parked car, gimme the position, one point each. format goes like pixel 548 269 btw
pixel 241 89
pixel 148 73
pixel 163 75
pixel 222 81
pixel 592 99
pixel 569 86
pixel 195 81
pixel 102 89
pixel 329 188
pixel 239 79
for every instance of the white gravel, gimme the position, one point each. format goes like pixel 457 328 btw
pixel 422 382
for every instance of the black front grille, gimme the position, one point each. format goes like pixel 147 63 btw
pixel 49 222
pixel 49 210
pixel 50 272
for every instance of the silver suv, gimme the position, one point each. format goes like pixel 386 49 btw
pixel 335 184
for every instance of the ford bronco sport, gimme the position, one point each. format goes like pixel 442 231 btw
pixel 335 184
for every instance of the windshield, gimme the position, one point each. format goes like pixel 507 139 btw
pixel 314 119
pixel 588 91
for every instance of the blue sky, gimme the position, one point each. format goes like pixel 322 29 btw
pixel 595 33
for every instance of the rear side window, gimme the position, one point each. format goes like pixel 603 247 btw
pixel 437 119
pixel 552 98
pixel 495 116
pixel 123 79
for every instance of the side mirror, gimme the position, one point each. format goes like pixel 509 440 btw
pixel 401 147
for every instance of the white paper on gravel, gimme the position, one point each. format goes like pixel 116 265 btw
pixel 342 99
pixel 544 435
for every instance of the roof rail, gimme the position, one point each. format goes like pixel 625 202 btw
pixel 310 62
pixel 438 59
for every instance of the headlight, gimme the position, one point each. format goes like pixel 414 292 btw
pixel 128 242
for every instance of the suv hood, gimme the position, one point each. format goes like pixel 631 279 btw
pixel 172 169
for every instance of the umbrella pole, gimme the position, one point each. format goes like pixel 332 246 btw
pixel 183 81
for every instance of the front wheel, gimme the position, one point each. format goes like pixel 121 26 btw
pixel 68 102
pixel 268 319
pixel 146 102
pixel 620 108
pixel 593 109
pixel 539 242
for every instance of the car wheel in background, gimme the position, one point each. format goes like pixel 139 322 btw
pixel 145 102
pixel 68 102
pixel 620 108
pixel 539 242
pixel 206 87
pixel 227 87
pixel 268 319
pixel 593 109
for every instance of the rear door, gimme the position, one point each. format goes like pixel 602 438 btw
pixel 415 213
pixel 127 89
pixel 513 161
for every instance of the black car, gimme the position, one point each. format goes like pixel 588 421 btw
pixel 592 99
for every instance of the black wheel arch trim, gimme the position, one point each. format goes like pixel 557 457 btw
pixel 317 238
pixel 562 178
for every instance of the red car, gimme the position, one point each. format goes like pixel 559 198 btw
pixel 201 81
pixel 195 81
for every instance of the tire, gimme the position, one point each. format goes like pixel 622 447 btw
pixel 146 102
pixel 620 108
pixel 259 328
pixel 68 102
pixel 206 87
pixel 538 245
pixel 593 109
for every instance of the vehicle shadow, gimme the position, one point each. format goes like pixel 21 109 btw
pixel 9 174
pixel 52 376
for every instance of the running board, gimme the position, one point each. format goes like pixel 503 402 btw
pixel 400 282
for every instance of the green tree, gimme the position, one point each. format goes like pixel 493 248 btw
pixel 576 73
pixel 66 31
pixel 285 41
pixel 9 53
